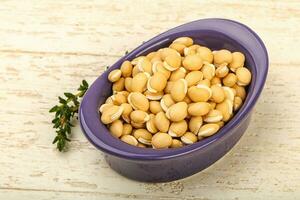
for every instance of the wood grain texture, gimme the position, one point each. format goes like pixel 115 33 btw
pixel 48 47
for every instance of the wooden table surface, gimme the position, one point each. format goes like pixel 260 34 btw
pixel 48 47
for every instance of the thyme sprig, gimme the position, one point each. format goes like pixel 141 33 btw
pixel 65 112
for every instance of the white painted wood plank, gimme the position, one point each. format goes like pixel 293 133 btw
pixel 48 47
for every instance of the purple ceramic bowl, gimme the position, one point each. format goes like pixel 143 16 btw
pixel 150 165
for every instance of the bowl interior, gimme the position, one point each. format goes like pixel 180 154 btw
pixel 214 39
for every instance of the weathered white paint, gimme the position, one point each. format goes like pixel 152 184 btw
pixel 48 47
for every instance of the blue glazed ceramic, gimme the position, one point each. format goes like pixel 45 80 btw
pixel 150 165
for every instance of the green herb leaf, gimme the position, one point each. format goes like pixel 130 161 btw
pixel 61 100
pixel 69 95
pixel 85 84
pixel 55 140
pixel 53 109
pixel 55 120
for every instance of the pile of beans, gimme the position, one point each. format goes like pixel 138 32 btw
pixel 175 96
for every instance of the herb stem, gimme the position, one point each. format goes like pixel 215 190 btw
pixel 64 113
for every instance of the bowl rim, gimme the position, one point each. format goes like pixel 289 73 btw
pixel 137 153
